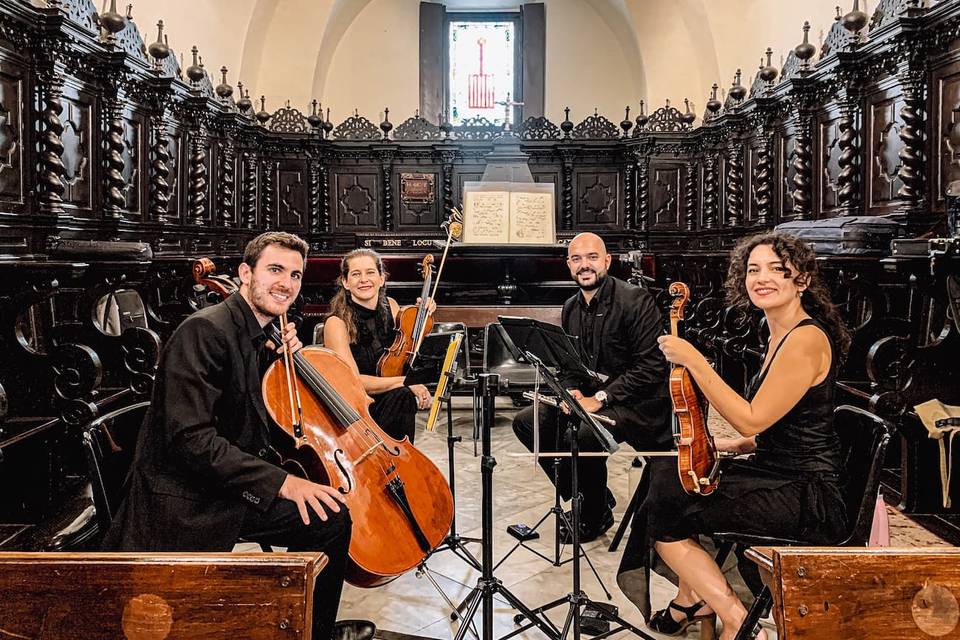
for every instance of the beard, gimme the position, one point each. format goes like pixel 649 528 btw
pixel 264 304
pixel 598 279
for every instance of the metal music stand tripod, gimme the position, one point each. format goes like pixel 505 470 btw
pixel 481 596
pixel 546 345
pixel 427 368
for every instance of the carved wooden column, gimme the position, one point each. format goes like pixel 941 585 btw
pixel 734 183
pixel 198 174
pixel 566 158
pixel 803 165
pixel 250 165
pixel 643 194
pixel 911 133
pixel 114 185
pixel 228 168
pixel 629 208
pixel 325 195
pixel 386 170
pixel 266 195
pixel 160 163
pixel 710 202
pixel 763 177
pixel 50 185
pixel 848 179
pixel 446 160
pixel 313 196
pixel 690 196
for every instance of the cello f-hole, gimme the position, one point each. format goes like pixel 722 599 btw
pixel 338 458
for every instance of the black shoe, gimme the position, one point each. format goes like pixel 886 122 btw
pixel 589 531
pixel 663 622
pixel 354 630
pixel 611 500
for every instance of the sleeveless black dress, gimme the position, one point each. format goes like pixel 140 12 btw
pixel 789 487
pixel 395 410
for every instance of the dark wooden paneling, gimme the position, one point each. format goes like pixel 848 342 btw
pixel 598 201
pixel 12 136
pixel 827 165
pixel 292 195
pixel 884 145
pixel 945 97
pixel 357 200
pixel 666 192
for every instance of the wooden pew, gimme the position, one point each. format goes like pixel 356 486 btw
pixel 157 596
pixel 852 593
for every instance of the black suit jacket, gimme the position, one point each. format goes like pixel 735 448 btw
pixel 625 349
pixel 199 464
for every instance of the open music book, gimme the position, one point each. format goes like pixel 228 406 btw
pixel 508 213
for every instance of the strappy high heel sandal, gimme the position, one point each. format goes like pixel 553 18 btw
pixel 663 622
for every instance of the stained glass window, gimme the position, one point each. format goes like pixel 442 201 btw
pixel 481 63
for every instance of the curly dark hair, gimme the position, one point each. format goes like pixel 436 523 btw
pixel 340 303
pixel 801 256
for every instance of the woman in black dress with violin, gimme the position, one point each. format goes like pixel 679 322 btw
pixel 790 487
pixel 360 327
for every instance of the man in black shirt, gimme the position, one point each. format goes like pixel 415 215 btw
pixel 201 479
pixel 617 325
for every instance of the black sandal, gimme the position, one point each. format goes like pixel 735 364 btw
pixel 663 622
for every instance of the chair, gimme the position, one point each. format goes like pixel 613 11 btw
pixel 109 443
pixel 318 334
pixel 863 439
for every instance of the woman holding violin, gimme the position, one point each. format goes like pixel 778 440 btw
pixel 790 487
pixel 361 327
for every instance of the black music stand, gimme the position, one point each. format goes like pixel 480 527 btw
pixel 427 369
pixel 544 346
pixel 549 338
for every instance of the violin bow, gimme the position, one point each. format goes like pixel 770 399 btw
pixel 293 390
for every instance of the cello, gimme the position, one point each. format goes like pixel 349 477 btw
pixel 697 461
pixel 413 322
pixel 400 503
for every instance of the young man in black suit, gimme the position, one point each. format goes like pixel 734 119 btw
pixel 200 480
pixel 617 325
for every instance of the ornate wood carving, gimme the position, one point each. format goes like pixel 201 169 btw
pixel 114 198
pixel 763 178
pixel 643 194
pixel 538 128
pixel 710 201
pixel 596 127
pixel 11 138
pixel 567 164
pixel 386 159
pixel 690 196
pixel 250 166
pixel 357 200
pixel 803 167
pixel 829 186
pixel 665 197
pixel 597 197
pixel 849 161
pixel 447 158
pixel 734 183
pixel 417 128
pixel 52 170
pixel 228 168
pixel 356 127
pixel 292 200
pixel 884 169
pixel 198 178
pixel 313 206
pixel 268 192
pixel 628 194
pixel 911 133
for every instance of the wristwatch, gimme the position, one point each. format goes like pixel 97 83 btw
pixel 601 396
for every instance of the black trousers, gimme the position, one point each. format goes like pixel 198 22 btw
pixel 592 471
pixel 396 412
pixel 281 526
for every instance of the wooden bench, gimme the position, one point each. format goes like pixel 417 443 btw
pixel 157 596
pixel 853 593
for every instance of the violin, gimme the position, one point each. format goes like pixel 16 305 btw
pixel 400 503
pixel 204 273
pixel 413 322
pixel 697 460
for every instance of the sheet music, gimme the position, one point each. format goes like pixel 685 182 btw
pixel 485 217
pixel 531 218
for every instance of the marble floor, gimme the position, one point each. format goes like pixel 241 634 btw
pixel 411 605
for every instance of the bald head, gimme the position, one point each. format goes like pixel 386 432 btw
pixel 588 260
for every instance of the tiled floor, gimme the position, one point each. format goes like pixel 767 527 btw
pixel 411 605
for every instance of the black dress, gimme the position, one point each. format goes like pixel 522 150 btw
pixel 395 410
pixel 789 488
